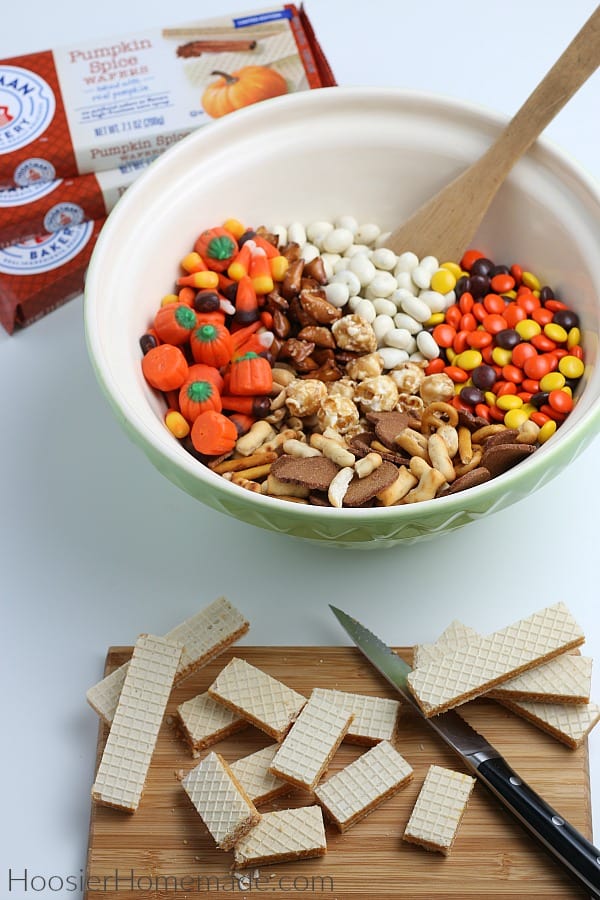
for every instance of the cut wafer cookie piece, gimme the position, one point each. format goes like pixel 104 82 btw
pixel 463 674
pixel 283 835
pixel 439 808
pixel 253 774
pixel 121 775
pixel 563 679
pixel 258 697
pixel 362 786
pixel 203 722
pixel 311 743
pixel 567 722
pixel 454 637
pixel 203 637
pixel 220 801
pixel 374 718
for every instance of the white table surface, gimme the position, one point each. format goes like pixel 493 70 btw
pixel 96 546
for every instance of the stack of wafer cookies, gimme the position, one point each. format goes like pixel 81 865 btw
pixel 532 667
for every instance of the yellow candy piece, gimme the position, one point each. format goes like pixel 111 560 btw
pixel 192 263
pixel 454 268
pixel 573 337
pixel 527 328
pixel 234 227
pixel 490 398
pixel 435 319
pixel 279 266
pixel 177 425
pixel 514 418
pixel 443 281
pixel 555 332
pixel 169 298
pixel 530 281
pixel 552 381
pixel 468 360
pixel 546 431
pixel 501 356
pixel 571 366
pixel 509 401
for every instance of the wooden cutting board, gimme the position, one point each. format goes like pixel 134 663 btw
pixel 164 850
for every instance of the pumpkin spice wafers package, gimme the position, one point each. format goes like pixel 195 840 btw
pixel 111 102
pixel 40 274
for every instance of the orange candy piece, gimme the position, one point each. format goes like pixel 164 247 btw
pixel 213 433
pixel 165 367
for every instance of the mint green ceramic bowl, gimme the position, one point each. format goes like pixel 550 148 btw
pixel 375 154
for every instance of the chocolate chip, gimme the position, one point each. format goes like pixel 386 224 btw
pixel 500 457
pixel 313 472
pixel 362 490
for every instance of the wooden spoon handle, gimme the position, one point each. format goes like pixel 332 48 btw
pixel 567 75
pixel 445 224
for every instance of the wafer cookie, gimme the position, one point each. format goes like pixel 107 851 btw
pixel 440 806
pixel 567 722
pixel 220 801
pixel 311 742
pixel 282 836
pixel 203 722
pixel 565 679
pixel 258 697
pixel 355 791
pixel 253 774
pixel 128 750
pixel 374 718
pixel 455 636
pixel 463 674
pixel 203 637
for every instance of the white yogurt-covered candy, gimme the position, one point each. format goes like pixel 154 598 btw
pixel 368 233
pixel 363 268
pixel 427 345
pixel 316 232
pixel 338 240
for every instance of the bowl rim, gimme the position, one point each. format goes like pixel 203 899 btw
pixel 577 437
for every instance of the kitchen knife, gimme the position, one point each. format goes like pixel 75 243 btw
pixel 565 843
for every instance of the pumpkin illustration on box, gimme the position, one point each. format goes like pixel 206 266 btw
pixel 248 85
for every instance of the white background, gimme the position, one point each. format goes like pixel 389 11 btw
pixel 95 546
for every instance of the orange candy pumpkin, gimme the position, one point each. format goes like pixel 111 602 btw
pixel 196 397
pixel 217 247
pixel 250 375
pixel 211 343
pixel 248 85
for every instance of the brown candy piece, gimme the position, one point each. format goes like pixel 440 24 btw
pixel 313 472
pixel 500 457
pixel 390 423
pixel 470 479
pixel 362 490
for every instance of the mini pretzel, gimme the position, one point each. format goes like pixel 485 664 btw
pixel 438 454
pixel 398 489
pixel 438 413
pixel 413 442
pixel 465 445
pixel 472 464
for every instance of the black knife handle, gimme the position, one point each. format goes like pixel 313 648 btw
pixel 569 847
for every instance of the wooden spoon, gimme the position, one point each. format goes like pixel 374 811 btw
pixel 445 225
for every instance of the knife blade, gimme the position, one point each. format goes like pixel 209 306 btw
pixel 567 845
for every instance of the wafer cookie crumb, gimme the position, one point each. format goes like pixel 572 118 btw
pixel 283 835
pixel 440 806
pixel 362 786
pixel 220 801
